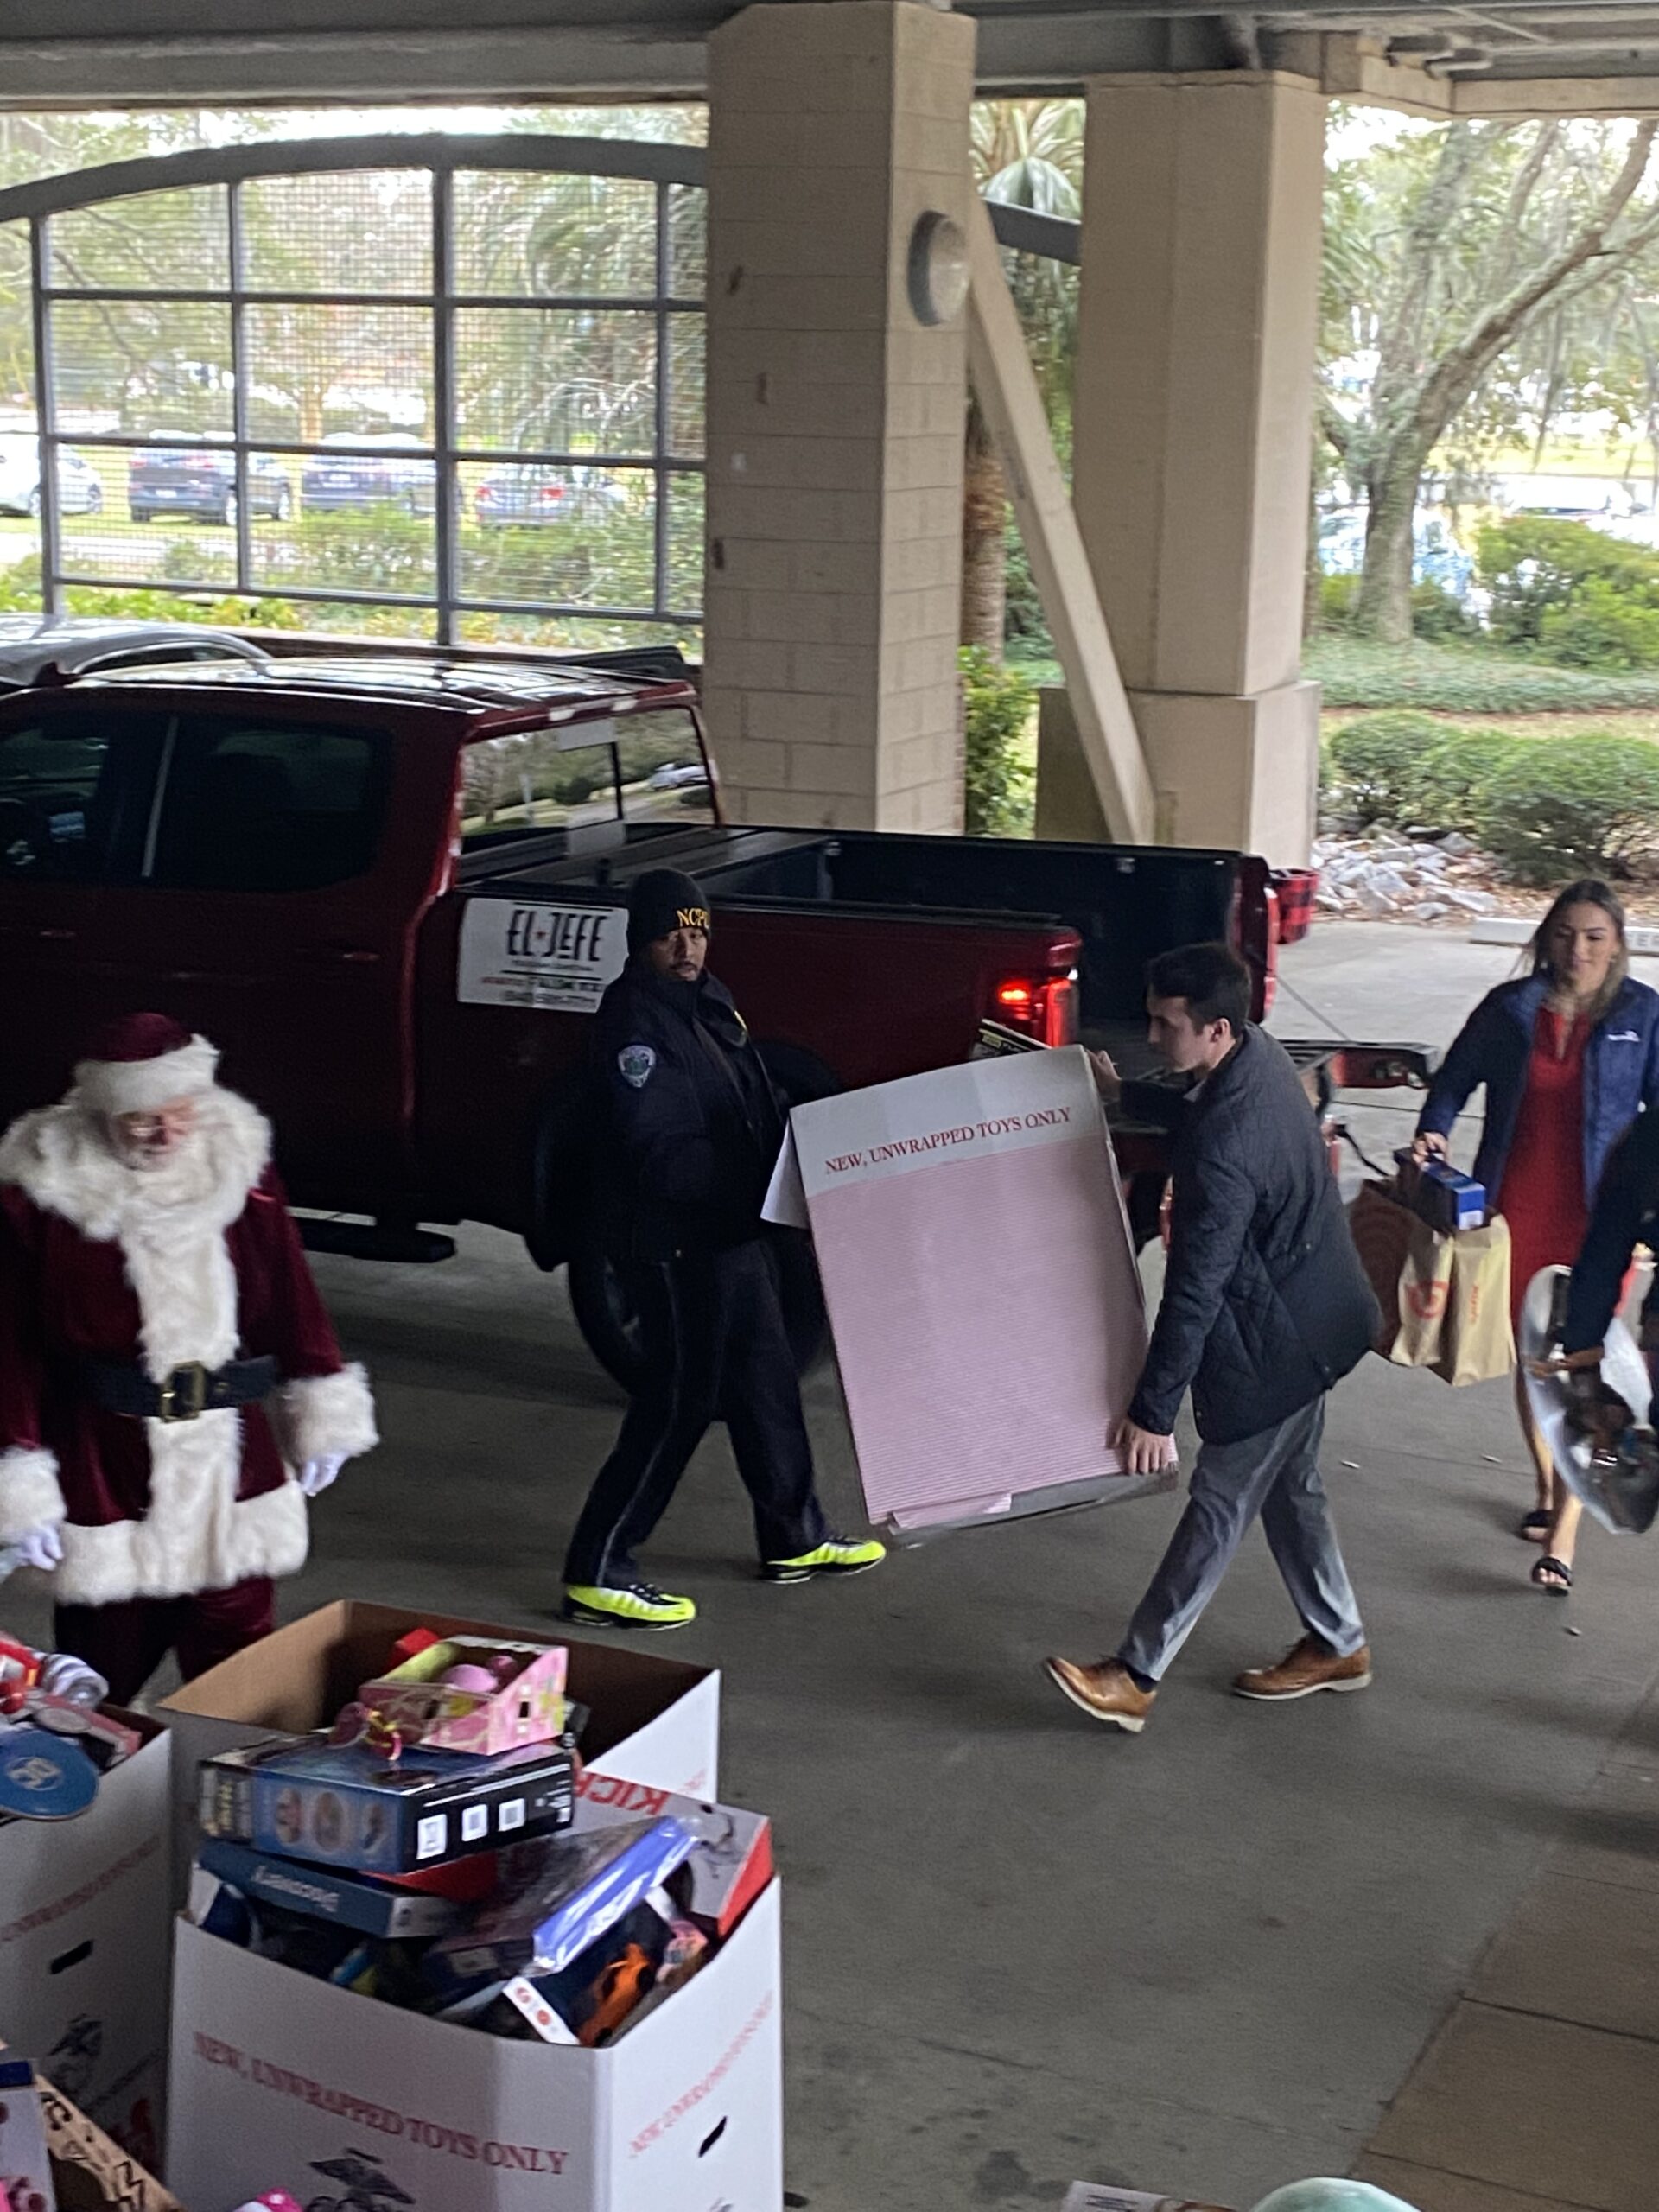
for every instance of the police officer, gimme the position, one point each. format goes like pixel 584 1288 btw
pixel 691 1130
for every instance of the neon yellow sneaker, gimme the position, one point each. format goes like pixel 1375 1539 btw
pixel 834 1555
pixel 636 1605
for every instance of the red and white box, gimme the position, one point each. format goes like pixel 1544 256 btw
pixel 84 1933
pixel 279 2078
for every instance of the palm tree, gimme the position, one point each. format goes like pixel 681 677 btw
pixel 1026 154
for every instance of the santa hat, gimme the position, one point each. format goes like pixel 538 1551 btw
pixel 142 1062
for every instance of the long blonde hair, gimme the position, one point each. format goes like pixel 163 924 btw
pixel 1588 891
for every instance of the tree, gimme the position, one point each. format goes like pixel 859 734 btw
pixel 1026 154
pixel 1453 250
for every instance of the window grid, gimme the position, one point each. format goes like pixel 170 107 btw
pixel 445 453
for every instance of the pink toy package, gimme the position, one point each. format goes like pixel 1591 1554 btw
pixel 470 1694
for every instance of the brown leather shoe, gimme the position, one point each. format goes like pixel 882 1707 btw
pixel 1108 1692
pixel 1311 1666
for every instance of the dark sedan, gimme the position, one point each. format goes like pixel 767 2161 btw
pixel 399 475
pixel 200 480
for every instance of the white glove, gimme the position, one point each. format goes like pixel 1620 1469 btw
pixel 41 1547
pixel 316 1474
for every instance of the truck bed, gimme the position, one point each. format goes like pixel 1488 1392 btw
pixel 1126 902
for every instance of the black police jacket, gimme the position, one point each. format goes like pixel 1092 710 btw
pixel 690 1124
pixel 1265 1303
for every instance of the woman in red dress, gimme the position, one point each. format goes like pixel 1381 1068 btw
pixel 1569 1056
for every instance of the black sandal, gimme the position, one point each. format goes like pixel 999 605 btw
pixel 1553 1574
pixel 1534 1527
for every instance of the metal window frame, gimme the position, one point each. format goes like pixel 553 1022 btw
pixel 441 159
pixel 441 156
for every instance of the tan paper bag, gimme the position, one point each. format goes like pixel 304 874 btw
pixel 1477 1341
pixel 1409 1269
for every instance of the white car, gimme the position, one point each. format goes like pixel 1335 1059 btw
pixel 79 489
pixel 675 777
pixel 80 644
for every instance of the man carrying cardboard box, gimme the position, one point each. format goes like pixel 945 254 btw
pixel 1265 1307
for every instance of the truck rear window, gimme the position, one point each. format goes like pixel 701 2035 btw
pixel 644 767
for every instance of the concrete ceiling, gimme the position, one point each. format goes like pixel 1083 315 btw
pixel 1512 57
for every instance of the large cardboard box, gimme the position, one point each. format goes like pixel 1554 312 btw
pixel 83 1947
pixel 283 2082
pixel 982 1286
pixel 654 1721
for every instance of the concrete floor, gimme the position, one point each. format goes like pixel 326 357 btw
pixel 1020 1949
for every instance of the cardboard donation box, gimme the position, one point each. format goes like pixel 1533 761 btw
pixel 90 2172
pixel 280 2080
pixel 653 1721
pixel 84 1938
pixel 981 1285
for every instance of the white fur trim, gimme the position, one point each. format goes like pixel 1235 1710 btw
pixel 29 1495
pixel 140 1086
pixel 169 1220
pixel 196 1535
pixel 325 1416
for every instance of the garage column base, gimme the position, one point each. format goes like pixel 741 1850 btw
pixel 1239 772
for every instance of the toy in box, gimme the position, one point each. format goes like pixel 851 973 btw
pixel 471 1694
pixel 556 1900
pixel 349 1805
pixel 732 1863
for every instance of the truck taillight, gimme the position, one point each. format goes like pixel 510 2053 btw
pixel 1045 1007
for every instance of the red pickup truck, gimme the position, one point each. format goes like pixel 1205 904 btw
pixel 391 891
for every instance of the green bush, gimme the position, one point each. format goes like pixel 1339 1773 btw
pixel 1375 760
pixel 1532 566
pixel 1602 626
pixel 1337 597
pixel 998 775
pixel 1437 614
pixel 1024 622
pixel 1586 807
pixel 1448 783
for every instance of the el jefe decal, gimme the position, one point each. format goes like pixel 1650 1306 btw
pixel 554 959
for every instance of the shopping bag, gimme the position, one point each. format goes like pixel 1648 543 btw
pixel 1477 1341
pixel 1409 1269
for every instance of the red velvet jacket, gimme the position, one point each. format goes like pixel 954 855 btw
pixel 101 1262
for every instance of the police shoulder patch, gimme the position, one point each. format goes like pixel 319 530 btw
pixel 635 1062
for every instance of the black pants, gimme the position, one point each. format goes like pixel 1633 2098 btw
pixel 712 1332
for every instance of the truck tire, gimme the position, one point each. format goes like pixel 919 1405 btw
pixel 598 1298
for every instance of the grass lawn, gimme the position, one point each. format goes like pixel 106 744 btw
pixel 1481 684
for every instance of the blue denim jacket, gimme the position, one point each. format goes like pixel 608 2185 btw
pixel 1621 1074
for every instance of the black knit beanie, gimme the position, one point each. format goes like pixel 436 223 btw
pixel 661 901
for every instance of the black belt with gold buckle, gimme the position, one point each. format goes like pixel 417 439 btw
pixel 186 1393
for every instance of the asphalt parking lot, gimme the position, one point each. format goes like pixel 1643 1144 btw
pixel 1018 1949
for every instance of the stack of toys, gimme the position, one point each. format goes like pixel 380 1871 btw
pixel 442 1849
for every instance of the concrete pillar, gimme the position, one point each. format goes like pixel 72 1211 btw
pixel 1195 390
pixel 835 415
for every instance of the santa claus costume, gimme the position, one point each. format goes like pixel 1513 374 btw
pixel 171 1389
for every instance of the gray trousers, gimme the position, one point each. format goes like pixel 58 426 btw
pixel 1276 1474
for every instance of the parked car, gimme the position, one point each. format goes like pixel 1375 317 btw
pixel 81 491
pixel 392 893
pixel 76 645
pixel 402 475
pixel 673 778
pixel 1436 557
pixel 200 480
pixel 527 494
